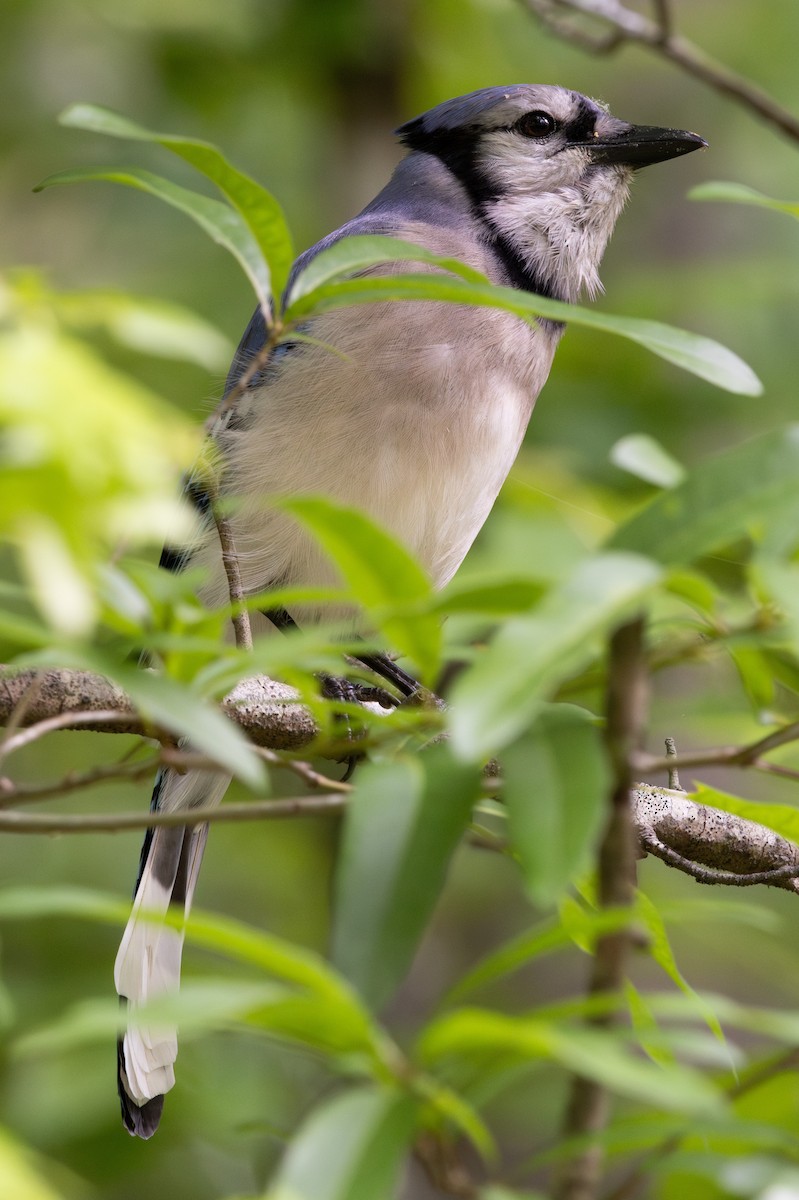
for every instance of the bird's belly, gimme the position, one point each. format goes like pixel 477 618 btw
pixel 435 475
pixel 420 435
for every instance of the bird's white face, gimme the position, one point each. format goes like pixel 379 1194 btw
pixel 549 200
pixel 548 171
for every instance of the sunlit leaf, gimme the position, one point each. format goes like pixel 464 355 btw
pixel 739 193
pixel 402 825
pixel 487 1038
pixel 782 818
pixel 352 254
pixel 641 455
pixel 149 326
pixel 499 696
pixel 699 355
pixel 20 1176
pixel 197 1008
pixel 258 207
pixel 383 576
pixel 496 597
pixel 221 222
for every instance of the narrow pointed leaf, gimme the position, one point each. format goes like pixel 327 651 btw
pixel 350 1148
pixel 353 254
pixel 221 222
pixel 258 207
pixel 699 355
pixel 491 1039
pixel 732 494
pixel 498 697
pixel 403 823
pixel 739 193
pixel 555 778
pixel 641 455
pixel 383 576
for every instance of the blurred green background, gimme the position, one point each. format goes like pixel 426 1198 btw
pixel 304 95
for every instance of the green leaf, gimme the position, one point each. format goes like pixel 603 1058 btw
pixel 232 939
pixel 222 223
pixel 199 1006
pixel 350 1148
pixel 402 825
pixel 352 254
pixel 549 936
pixel 33 903
pixel 490 1039
pixel 555 779
pixel 641 455
pixel 383 576
pixel 660 949
pixel 729 496
pixel 781 581
pixel 496 1191
pixel 498 697
pixel 495 597
pixel 259 209
pixel 739 193
pixel 699 355
pixel 156 327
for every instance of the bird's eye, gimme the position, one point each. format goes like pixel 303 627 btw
pixel 536 124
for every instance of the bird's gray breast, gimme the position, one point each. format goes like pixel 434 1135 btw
pixel 413 413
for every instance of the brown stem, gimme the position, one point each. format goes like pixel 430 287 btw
pixel 230 560
pixel 626 704
pixel 65 720
pixel 627 25
pixel 256 810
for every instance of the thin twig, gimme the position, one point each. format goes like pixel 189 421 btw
pixel 710 875
pixel 631 1185
pixel 11 793
pixel 256 810
pixel 627 25
pixel 240 616
pixel 664 18
pixel 257 363
pixel 674 777
pixel 721 756
pixel 65 720
pixel 626 706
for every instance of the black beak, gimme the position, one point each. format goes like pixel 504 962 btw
pixel 642 145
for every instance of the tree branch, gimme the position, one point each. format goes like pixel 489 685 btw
pixel 626 708
pixel 267 710
pixel 692 836
pixel 626 25
pixel 12 821
pixel 705 842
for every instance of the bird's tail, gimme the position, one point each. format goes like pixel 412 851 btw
pixel 148 961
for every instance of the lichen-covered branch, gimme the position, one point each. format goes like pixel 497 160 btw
pixel 267 710
pixel 711 845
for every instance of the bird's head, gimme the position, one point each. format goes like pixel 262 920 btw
pixel 547 171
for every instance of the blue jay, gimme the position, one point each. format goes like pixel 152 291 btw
pixel 417 420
